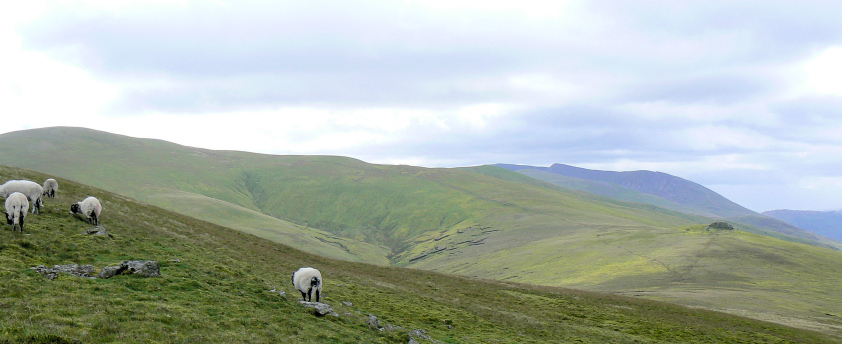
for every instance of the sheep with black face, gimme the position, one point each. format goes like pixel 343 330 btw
pixel 50 188
pixel 308 281
pixel 90 207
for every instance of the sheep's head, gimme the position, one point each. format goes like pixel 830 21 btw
pixel 74 208
pixel 314 282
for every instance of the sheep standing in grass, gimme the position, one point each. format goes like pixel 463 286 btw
pixel 90 207
pixel 50 188
pixel 16 207
pixel 308 281
pixel 30 189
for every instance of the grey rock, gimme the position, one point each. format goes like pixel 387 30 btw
pixel 413 341
pixel 99 230
pixel 143 268
pixel 373 322
pixel 320 309
pixel 108 272
pixel 86 271
pixel 423 335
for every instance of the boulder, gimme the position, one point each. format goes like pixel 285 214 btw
pixel 99 230
pixel 321 309
pixel 373 322
pixel 143 268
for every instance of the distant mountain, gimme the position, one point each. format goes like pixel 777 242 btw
pixel 824 223
pixel 661 190
pixel 683 194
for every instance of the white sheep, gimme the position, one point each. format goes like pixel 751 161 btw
pixel 30 189
pixel 16 207
pixel 50 188
pixel 308 280
pixel 90 207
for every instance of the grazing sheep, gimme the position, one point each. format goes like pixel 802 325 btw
pixel 16 207
pixel 90 207
pixel 307 280
pixel 29 188
pixel 50 188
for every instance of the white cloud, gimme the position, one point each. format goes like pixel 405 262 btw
pixel 686 88
pixel 824 72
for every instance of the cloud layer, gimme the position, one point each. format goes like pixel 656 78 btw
pixel 741 97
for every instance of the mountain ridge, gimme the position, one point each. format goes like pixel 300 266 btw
pixel 663 190
pixel 824 223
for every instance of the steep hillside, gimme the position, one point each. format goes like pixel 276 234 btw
pixel 486 222
pixel 206 184
pixel 824 223
pixel 219 285
pixel 668 192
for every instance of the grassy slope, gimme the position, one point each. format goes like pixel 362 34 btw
pixel 201 183
pixel 493 224
pixel 216 282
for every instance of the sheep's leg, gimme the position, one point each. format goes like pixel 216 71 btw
pixel 303 296
pixel 317 295
pixel 21 221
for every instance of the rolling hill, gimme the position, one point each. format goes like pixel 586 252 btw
pixel 668 192
pixel 824 223
pixel 220 285
pixel 484 221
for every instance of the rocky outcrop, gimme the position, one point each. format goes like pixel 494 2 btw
pixel 86 271
pixel 143 268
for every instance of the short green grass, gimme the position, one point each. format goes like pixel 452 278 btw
pixel 215 287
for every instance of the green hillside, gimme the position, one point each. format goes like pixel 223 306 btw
pixel 483 222
pixel 219 285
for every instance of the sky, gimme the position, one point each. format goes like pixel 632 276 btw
pixel 743 97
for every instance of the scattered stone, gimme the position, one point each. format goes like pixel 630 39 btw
pixel 321 309
pixel 347 303
pixel 86 271
pixel 143 268
pixel 390 327
pixel 422 334
pixel 373 322
pixel 99 230
pixel 413 341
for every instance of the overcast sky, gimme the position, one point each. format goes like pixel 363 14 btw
pixel 742 97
